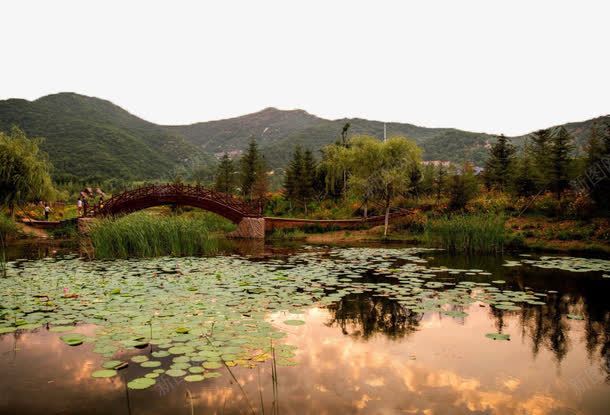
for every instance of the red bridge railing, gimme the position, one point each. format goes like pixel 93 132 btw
pixel 194 195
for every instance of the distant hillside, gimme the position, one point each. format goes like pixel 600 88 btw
pixel 89 137
pixel 279 131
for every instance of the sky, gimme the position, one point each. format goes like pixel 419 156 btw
pixel 494 66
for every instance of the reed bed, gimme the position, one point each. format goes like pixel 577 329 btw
pixel 468 233
pixel 145 235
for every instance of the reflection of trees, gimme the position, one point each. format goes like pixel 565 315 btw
pixel 366 315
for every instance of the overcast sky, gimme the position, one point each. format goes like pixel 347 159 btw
pixel 501 67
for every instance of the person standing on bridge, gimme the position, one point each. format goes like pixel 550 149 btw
pixel 47 210
pixel 79 206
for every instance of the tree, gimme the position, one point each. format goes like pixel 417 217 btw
pixel 539 152
pixel 307 178
pixel 24 170
pixel 440 182
pixel 292 183
pixel 252 169
pixel 524 183
pixel 462 187
pixel 598 166
pixel 561 146
pixel 300 178
pixel 225 175
pixel 499 164
pixel 381 170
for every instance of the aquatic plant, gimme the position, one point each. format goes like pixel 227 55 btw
pixel 211 314
pixel 467 233
pixel 145 235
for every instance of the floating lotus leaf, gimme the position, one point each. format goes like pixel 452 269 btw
pixel 106 373
pixel 175 372
pixel 151 363
pixel 498 336
pixel 141 383
pixel 194 378
pixel 575 317
pixel 73 339
pixel 212 365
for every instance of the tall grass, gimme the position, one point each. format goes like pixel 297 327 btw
pixel 8 228
pixel 467 233
pixel 145 235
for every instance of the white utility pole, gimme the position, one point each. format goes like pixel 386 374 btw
pixel 384 132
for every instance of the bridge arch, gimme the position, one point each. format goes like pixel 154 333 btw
pixel 225 205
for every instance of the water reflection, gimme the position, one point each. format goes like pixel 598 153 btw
pixel 364 354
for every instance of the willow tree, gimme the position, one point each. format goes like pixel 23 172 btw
pixel 382 170
pixel 24 170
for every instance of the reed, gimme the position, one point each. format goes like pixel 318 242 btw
pixel 145 235
pixel 468 233
pixel 8 228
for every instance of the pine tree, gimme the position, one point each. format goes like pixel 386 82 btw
pixel 561 146
pixel 598 166
pixel 524 183
pixel 539 152
pixel 225 175
pixel 307 178
pixel 292 182
pixel 499 164
pixel 251 166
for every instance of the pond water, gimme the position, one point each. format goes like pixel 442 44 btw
pixel 315 330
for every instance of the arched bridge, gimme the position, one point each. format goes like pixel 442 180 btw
pixel 223 204
pixel 247 215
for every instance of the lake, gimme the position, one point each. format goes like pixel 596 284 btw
pixel 310 330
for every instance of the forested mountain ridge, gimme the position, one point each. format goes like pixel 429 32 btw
pixel 87 137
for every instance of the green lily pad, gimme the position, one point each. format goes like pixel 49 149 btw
pixel 294 322
pixel 498 336
pixel 105 373
pixel 194 378
pixel 141 383
pixel 73 339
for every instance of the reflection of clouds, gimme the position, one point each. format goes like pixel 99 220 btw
pixel 448 368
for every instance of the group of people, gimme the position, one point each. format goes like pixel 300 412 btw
pixel 82 204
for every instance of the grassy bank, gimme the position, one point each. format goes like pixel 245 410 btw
pixel 145 235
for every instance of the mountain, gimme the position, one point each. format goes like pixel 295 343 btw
pixel 277 132
pixel 88 138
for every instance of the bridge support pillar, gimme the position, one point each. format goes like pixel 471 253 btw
pixel 251 228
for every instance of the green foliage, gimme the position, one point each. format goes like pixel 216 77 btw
pixel 145 235
pixel 225 176
pixel 524 180
pixel 598 166
pixel 8 228
pixel 300 178
pixel 463 187
pixel 559 158
pixel 379 170
pixel 467 233
pixel 498 167
pixel 253 172
pixel 89 139
pixel 24 170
